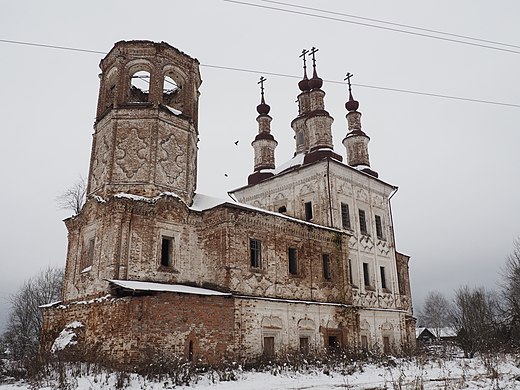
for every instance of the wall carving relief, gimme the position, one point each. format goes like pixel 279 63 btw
pixel 132 153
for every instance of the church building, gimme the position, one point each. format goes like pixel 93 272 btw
pixel 304 260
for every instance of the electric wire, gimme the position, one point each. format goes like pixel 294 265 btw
pixel 253 71
pixel 373 26
pixel 391 23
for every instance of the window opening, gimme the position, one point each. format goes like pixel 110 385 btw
pixel 366 276
pixel 140 86
pixel 326 267
pixel 304 345
pixel 90 252
pixel 345 216
pixel 383 279
pixel 333 342
pixel 282 209
pixel 190 351
pixel 308 211
pixel 364 343
pixel 293 261
pixel 166 251
pixel 255 252
pixel 386 344
pixel 169 86
pixel 362 222
pixel 379 227
pixel 350 278
pixel 269 346
pixel 300 138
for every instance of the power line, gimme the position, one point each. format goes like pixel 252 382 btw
pixel 254 71
pixel 373 26
pixel 391 23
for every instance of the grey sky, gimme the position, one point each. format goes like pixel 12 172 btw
pixel 456 212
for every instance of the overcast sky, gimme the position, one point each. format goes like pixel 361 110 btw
pixel 456 212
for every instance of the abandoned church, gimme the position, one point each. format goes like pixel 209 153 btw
pixel 302 260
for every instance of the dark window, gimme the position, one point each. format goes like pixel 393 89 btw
pixel 333 342
pixel 304 345
pixel 190 351
pixel 255 251
pixel 308 211
pixel 90 252
pixel 282 209
pixel 345 216
pixel 366 276
pixel 166 251
pixel 379 227
pixel 362 222
pixel 269 346
pixel 364 343
pixel 386 344
pixel 350 278
pixel 383 279
pixel 326 267
pixel 293 261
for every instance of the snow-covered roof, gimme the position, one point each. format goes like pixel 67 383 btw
pixel 295 161
pixel 204 202
pixel 162 287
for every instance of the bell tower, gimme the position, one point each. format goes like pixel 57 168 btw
pixel 145 133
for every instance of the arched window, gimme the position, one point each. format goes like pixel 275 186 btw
pixel 170 90
pixel 139 87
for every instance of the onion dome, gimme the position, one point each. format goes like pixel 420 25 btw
pixel 351 105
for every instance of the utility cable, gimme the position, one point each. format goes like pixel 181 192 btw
pixel 234 69
pixel 391 23
pixel 373 26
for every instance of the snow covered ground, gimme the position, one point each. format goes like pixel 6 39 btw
pixel 477 373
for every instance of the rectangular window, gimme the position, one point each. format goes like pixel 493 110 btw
pixel 255 251
pixel 386 344
pixel 282 209
pixel 269 346
pixel 308 211
pixel 293 261
pixel 327 275
pixel 379 228
pixel 362 222
pixel 333 342
pixel 304 345
pixel 350 278
pixel 383 279
pixel 90 253
pixel 364 343
pixel 345 216
pixel 166 251
pixel 366 276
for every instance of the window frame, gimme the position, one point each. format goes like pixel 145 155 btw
pixel 292 257
pixel 363 227
pixel 255 253
pixel 366 274
pixel 169 251
pixel 379 227
pixel 382 273
pixel 327 272
pixel 308 211
pixel 345 216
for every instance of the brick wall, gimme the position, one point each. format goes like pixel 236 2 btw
pixel 130 331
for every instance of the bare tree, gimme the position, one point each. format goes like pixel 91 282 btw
pixel 474 317
pixel 434 314
pixel 25 317
pixel 511 292
pixel 74 197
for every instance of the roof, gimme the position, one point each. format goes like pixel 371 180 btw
pixel 135 285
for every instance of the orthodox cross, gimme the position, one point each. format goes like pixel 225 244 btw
pixel 347 79
pixel 304 53
pixel 261 82
pixel 313 52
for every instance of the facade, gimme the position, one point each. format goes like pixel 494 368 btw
pixel 304 260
